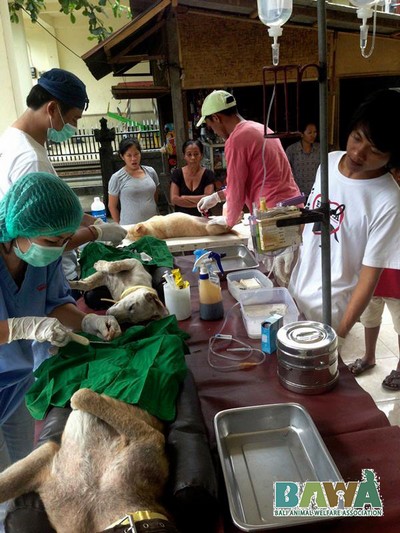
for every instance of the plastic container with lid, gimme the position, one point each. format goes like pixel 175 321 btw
pixel 257 305
pixel 243 281
pixel 98 209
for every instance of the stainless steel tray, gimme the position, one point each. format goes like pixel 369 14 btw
pixel 238 257
pixel 263 444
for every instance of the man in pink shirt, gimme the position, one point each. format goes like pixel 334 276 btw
pixel 256 167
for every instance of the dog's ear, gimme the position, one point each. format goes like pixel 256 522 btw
pixel 161 310
pixel 140 229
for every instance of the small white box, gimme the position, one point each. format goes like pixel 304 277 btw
pixel 257 305
pixel 234 279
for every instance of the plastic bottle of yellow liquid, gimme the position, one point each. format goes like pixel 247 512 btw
pixel 210 295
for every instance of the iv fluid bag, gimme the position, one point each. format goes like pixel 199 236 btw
pixel 274 12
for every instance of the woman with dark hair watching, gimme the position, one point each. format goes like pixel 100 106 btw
pixel 304 157
pixel 133 190
pixel 192 182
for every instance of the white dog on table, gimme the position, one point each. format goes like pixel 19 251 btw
pixel 130 286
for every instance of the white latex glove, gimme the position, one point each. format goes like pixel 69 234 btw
pixel 105 327
pixel 282 267
pixel 208 202
pixel 220 221
pixel 40 329
pixel 109 231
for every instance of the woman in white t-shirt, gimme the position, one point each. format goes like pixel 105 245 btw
pixel 133 190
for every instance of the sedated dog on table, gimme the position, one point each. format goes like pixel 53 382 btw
pixel 176 225
pixel 111 463
pixel 130 286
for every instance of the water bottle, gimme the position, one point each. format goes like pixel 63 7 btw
pixel 98 209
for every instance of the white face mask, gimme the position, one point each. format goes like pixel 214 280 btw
pixel 64 134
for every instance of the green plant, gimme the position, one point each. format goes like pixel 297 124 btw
pixel 93 10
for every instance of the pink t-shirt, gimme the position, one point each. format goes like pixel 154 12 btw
pixel 243 151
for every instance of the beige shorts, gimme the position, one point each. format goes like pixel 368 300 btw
pixel 372 316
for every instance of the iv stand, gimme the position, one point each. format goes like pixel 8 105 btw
pixel 323 128
pixel 322 214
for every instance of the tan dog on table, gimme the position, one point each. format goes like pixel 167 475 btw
pixel 111 463
pixel 176 225
pixel 130 286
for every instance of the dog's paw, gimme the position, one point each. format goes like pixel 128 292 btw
pixel 102 266
pixel 80 398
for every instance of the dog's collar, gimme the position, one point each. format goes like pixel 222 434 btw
pixel 137 516
pixel 135 288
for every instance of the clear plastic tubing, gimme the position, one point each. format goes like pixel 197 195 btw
pixel 274 13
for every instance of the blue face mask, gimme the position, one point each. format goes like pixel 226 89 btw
pixel 66 133
pixel 38 255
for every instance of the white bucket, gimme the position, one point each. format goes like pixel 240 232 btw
pixel 177 301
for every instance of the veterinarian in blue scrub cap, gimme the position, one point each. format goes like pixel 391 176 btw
pixel 38 216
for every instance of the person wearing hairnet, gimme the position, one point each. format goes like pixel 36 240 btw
pixel 38 216
pixel 55 104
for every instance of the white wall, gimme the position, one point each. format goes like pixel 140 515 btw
pixel 15 78
pixel 41 50
pixel 75 36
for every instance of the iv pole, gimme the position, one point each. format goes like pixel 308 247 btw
pixel 323 128
pixel 322 214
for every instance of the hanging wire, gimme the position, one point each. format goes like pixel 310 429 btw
pixel 54 37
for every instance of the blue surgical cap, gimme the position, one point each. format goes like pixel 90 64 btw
pixel 66 87
pixel 39 204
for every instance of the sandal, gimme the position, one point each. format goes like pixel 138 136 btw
pixel 392 381
pixel 359 366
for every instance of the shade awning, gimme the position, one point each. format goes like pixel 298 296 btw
pixel 139 40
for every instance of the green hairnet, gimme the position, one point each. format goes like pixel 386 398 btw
pixel 39 204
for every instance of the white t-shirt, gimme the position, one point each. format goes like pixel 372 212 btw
pixel 20 154
pixel 365 233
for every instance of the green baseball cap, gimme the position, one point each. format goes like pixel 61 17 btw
pixel 215 102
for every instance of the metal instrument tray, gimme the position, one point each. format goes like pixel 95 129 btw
pixel 238 257
pixel 263 444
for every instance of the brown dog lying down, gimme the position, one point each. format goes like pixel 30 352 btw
pixel 111 462
pixel 130 286
pixel 176 225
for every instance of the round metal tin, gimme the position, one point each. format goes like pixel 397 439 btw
pixel 307 357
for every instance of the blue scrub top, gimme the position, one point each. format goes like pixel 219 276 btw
pixel 43 289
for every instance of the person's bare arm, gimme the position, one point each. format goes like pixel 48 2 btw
pixel 81 236
pixel 363 292
pixel 69 315
pixel 113 202
pixel 4 331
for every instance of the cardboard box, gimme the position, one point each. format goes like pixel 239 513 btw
pixel 272 237
pixel 269 331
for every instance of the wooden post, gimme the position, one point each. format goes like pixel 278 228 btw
pixel 105 136
pixel 175 73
